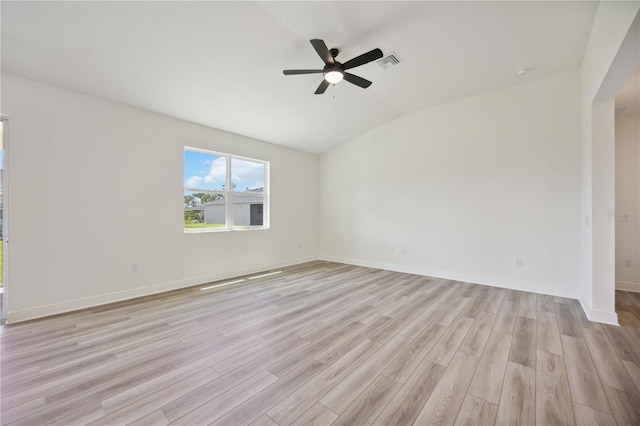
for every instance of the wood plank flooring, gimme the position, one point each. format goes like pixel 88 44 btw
pixel 324 343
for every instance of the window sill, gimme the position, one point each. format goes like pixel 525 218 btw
pixel 214 230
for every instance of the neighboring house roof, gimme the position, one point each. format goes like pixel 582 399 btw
pixel 239 198
pixel 247 197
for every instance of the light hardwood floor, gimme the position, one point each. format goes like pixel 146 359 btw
pixel 324 343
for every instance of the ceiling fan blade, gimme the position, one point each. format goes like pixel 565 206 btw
pixel 322 50
pixel 294 72
pixel 323 86
pixel 365 58
pixel 358 81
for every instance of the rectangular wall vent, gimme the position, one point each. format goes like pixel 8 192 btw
pixel 391 60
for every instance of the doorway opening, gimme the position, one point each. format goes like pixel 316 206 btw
pixel 3 299
pixel 627 204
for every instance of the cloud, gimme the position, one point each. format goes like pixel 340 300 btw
pixel 217 172
pixel 193 182
pixel 247 174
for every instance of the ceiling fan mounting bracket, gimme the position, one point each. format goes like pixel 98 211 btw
pixel 334 52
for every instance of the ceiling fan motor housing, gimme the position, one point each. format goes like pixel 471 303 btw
pixel 334 67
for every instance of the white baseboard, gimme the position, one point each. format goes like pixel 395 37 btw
pixel 626 286
pixel 592 315
pixel 90 302
pixel 455 276
pixel 74 305
pixel 599 316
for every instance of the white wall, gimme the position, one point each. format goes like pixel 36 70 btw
pixel 611 55
pixel 464 189
pixel 96 186
pixel 628 201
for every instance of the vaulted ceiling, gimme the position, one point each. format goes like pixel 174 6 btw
pixel 220 63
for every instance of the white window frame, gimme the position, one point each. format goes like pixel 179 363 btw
pixel 229 194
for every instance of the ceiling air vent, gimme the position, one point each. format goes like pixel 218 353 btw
pixel 619 110
pixel 391 60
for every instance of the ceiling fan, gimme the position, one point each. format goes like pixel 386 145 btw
pixel 335 71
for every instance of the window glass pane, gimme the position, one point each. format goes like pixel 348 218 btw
pixel 247 176
pixel 248 209
pixel 204 210
pixel 204 171
pixel 223 191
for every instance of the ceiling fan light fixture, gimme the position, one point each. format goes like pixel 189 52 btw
pixel 333 76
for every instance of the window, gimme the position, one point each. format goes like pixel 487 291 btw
pixel 224 192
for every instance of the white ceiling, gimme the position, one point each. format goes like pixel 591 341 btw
pixel 220 63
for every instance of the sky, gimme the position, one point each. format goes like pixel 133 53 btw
pixel 208 171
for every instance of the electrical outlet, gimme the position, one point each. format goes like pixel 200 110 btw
pixel 134 267
pixel 627 263
pixel 519 261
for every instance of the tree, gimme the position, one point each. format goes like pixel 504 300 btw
pixel 192 200
pixel 205 197
pixel 191 216
pixel 233 186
